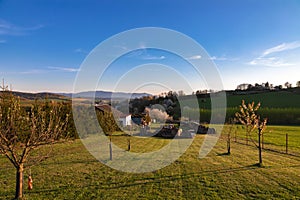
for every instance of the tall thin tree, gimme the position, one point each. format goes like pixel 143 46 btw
pixel 249 117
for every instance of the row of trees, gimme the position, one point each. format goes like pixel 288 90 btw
pixel 169 104
pixel 265 86
pixel 243 86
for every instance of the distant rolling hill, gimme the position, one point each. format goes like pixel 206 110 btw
pixel 287 98
pixel 38 96
pixel 68 96
pixel 105 95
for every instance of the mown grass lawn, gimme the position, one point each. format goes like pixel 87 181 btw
pixel 274 138
pixel 72 173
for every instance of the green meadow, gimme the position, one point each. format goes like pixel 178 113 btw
pixel 289 98
pixel 73 173
pixel 280 107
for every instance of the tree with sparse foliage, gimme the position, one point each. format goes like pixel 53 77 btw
pixel 247 117
pixel 288 85
pixel 251 120
pixel 298 84
pixel 157 114
pixel 22 131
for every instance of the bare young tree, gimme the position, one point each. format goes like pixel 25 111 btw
pixel 247 116
pixel 261 125
pixel 23 131
pixel 251 120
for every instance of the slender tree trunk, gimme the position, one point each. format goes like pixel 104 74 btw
pixel 259 147
pixel 129 146
pixel 19 182
pixel 110 149
pixel 228 144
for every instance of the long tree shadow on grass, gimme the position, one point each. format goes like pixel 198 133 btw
pixel 71 162
pixel 223 154
pixel 149 180
pixel 146 180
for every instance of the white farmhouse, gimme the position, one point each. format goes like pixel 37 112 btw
pixel 125 120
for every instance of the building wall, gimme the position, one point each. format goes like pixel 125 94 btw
pixel 126 121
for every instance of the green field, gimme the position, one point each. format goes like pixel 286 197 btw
pixel 268 99
pixel 72 173
pixel 279 99
pixel 280 107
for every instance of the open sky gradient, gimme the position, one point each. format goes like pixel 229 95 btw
pixel 43 43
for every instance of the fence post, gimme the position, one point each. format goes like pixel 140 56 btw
pixel 286 143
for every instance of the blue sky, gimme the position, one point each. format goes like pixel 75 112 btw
pixel 43 43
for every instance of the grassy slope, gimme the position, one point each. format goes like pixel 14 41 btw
pixel 74 174
pixel 282 99
pixel 274 99
pixel 280 107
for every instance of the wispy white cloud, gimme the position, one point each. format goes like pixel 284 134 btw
pixel 121 47
pixel 265 59
pixel 7 28
pixel 195 57
pixel 80 50
pixel 149 57
pixel 270 62
pixel 144 54
pixel 282 47
pixel 218 58
pixel 33 71
pixel 64 69
pixel 49 70
pixel 136 53
pixel 223 58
